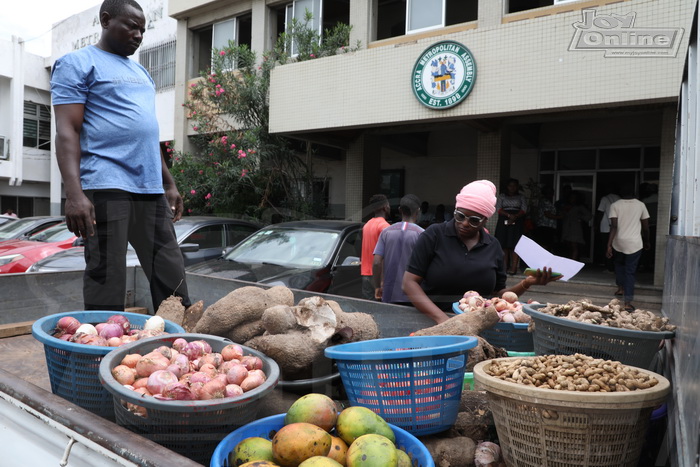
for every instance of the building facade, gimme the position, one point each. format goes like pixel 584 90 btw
pixel 578 94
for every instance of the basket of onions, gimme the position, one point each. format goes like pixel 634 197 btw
pixel 187 391
pixel 75 343
pixel 511 332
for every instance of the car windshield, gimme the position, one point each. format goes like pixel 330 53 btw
pixel 56 233
pixel 11 229
pixel 292 248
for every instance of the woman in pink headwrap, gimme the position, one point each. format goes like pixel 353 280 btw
pixel 453 257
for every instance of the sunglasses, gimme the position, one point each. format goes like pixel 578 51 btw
pixel 474 221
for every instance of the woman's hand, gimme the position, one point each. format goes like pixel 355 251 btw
pixel 415 293
pixel 541 277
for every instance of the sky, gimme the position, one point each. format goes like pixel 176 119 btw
pixel 32 20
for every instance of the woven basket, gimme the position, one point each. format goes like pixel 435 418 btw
pixel 548 428
pixel 561 336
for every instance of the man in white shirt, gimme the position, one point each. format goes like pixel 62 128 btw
pixel 629 236
pixel 604 209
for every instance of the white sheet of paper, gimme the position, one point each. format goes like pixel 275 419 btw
pixel 537 257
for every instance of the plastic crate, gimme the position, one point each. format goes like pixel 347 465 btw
pixel 190 428
pixel 414 383
pixel 268 427
pixel 510 336
pixel 74 368
pixel 547 428
pixel 555 335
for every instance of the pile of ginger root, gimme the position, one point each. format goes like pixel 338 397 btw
pixel 613 315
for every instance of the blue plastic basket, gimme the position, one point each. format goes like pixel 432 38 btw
pixel 74 368
pixel 510 336
pixel 268 427
pixel 414 382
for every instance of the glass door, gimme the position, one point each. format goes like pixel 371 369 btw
pixel 575 198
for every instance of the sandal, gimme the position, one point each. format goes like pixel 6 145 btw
pixel 619 292
pixel 629 307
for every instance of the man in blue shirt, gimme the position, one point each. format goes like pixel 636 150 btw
pixel 118 187
pixel 393 251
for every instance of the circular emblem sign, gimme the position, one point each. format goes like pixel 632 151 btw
pixel 444 75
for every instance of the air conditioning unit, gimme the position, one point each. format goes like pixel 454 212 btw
pixel 4 148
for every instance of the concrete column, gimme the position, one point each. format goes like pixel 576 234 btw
pixel 260 15
pixel 663 213
pixel 362 14
pixel 491 12
pixel 183 61
pixel 491 161
pixel 362 163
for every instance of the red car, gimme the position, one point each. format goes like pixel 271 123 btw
pixel 18 255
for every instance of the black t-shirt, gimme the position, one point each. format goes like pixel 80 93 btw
pixel 449 269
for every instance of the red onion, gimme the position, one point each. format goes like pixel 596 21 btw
pixel 174 369
pixel 99 327
pixel 193 351
pixel 66 337
pixel 206 348
pixel 165 351
pixel 130 360
pixel 122 321
pixel 181 362
pixel 236 374
pixel 88 339
pixel 213 358
pixel 68 324
pixel 214 389
pixel 123 374
pixel 254 379
pixel 199 377
pixel 149 364
pixel 158 380
pixel 178 391
pixel 115 341
pixel 109 330
pixel 233 390
pixel 140 384
pixel 251 362
pixel 232 352
pixel 196 389
pixel 179 344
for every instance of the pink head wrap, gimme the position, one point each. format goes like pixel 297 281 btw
pixel 478 196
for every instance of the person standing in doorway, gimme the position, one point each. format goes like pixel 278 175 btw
pixel 393 251
pixel 604 208
pixel 118 187
pixel 629 237
pixel 10 212
pixel 379 205
pixel 511 207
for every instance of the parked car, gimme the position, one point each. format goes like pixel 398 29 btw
pixel 26 226
pixel 5 219
pixel 200 238
pixel 316 255
pixel 19 254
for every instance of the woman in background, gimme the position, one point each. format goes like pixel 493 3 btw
pixel 511 207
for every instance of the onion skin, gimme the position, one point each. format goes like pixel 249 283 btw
pixel 254 379
pixel 130 360
pixel 232 352
pixel 140 383
pixel 251 362
pixel 148 364
pixel 66 337
pixel 213 358
pixel 86 328
pixel 109 330
pixel 88 339
pixel 209 369
pixel 199 377
pixel 115 341
pixel 179 344
pixel 236 374
pixel 233 390
pixel 178 391
pixel 214 389
pixel 165 351
pixel 158 380
pixel 68 325
pixel 124 375
pixel 122 321
pixel 155 323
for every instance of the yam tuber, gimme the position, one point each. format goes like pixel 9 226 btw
pixel 451 452
pixel 487 454
pixel 172 309
pixel 242 305
pixel 466 324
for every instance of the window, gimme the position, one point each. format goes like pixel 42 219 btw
pixel 37 126
pixel 326 14
pixel 400 17
pixel 217 36
pixel 514 6
pixel 211 236
pixel 236 233
pixel 159 61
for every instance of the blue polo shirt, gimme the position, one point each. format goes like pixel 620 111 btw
pixel 119 139
pixel 449 269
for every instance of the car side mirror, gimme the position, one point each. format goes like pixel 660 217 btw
pixel 189 247
pixel 351 261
